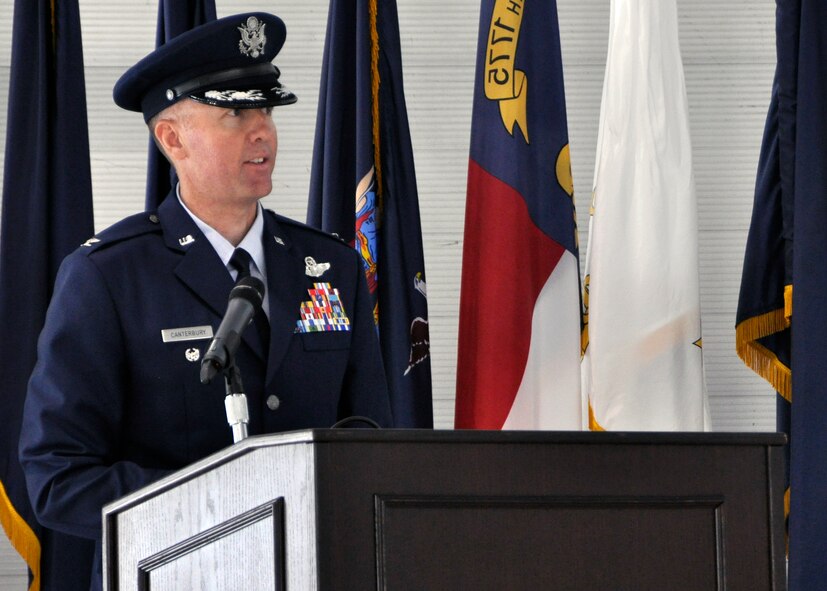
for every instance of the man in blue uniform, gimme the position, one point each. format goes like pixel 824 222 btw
pixel 115 400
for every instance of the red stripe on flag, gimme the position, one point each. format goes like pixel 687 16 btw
pixel 506 262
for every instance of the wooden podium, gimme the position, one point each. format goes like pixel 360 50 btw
pixel 417 510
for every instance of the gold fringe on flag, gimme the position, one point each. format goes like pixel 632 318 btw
pixel 593 424
pixel 757 357
pixel 787 518
pixel 788 303
pixel 21 536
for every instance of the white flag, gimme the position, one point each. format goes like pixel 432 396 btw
pixel 643 365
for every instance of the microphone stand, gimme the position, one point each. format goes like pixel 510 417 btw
pixel 235 403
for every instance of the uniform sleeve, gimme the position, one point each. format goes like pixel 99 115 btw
pixel 74 408
pixel 365 391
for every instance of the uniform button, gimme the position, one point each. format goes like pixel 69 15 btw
pixel 153 218
pixel 273 402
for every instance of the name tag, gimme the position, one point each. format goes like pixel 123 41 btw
pixel 189 333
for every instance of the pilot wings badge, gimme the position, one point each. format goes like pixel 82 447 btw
pixel 252 37
pixel 314 269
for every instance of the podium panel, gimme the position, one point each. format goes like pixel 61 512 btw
pixel 421 510
pixel 597 543
pixel 245 552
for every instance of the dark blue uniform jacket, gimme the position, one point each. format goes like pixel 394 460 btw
pixel 111 407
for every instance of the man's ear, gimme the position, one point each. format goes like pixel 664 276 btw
pixel 168 135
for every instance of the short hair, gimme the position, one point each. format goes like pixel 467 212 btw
pixel 151 125
pixel 172 113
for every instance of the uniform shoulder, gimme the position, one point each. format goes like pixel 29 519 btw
pixel 300 229
pixel 133 226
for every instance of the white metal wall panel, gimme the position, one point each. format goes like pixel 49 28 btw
pixel 729 57
pixel 728 52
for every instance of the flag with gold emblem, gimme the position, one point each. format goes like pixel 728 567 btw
pixel 643 362
pixel 363 188
pixel 520 316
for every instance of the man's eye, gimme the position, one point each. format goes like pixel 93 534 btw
pixel 235 112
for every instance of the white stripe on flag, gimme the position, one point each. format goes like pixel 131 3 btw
pixel 549 394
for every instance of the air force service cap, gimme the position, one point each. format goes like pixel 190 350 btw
pixel 225 63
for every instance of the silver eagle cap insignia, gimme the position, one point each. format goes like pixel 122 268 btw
pixel 252 37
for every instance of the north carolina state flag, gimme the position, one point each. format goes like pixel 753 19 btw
pixel 520 317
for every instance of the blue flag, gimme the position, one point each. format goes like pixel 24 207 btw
pixel 174 17
pixel 808 467
pixel 762 322
pixel 782 313
pixel 47 213
pixel 363 188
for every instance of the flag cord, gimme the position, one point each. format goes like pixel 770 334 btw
pixel 374 78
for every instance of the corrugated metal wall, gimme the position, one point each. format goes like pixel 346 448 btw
pixel 728 52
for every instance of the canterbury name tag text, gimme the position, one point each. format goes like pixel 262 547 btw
pixel 190 333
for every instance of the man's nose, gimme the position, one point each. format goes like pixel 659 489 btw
pixel 261 125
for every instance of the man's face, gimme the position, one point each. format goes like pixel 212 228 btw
pixel 228 155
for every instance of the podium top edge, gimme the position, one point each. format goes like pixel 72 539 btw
pixel 513 437
pixel 429 436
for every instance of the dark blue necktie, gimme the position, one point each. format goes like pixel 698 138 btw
pixel 242 262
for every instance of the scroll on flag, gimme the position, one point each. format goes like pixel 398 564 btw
pixel 520 315
pixel 363 188
pixel 782 315
pixel 643 363
pixel 46 213
pixel 174 17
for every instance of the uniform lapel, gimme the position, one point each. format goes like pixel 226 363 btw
pixel 287 287
pixel 200 269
